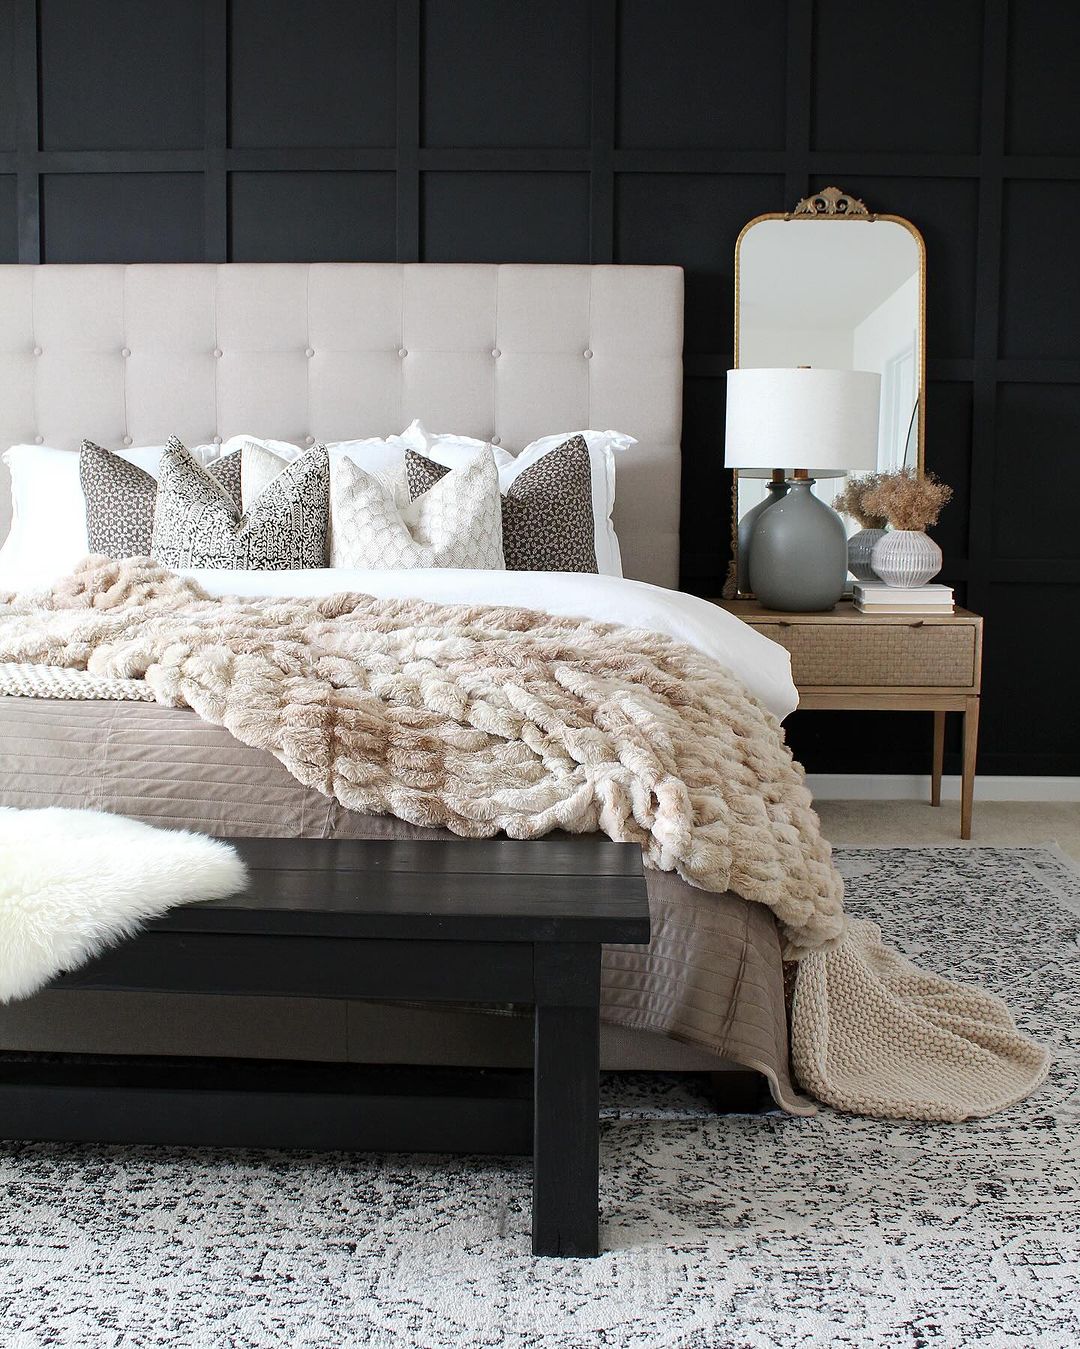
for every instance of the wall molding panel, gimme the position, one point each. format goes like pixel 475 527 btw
pixel 628 131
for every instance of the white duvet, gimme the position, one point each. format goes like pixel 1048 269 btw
pixel 763 666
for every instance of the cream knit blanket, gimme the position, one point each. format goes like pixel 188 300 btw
pixel 488 719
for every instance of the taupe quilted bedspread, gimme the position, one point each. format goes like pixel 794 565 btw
pixel 711 977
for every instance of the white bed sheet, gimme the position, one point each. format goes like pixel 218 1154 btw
pixel 763 666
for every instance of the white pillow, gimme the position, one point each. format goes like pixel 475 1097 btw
pixel 457 524
pixel 451 450
pixel 603 445
pixel 48 526
pixel 262 460
pixel 373 454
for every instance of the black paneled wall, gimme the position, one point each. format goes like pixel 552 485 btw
pixel 629 131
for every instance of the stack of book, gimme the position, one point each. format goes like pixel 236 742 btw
pixel 875 597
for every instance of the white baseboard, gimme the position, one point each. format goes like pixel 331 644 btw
pixel 916 787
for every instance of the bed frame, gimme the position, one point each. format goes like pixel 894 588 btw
pixel 128 355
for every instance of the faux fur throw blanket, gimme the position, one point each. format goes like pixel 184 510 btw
pixel 485 719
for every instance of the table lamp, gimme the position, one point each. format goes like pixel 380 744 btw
pixel 828 418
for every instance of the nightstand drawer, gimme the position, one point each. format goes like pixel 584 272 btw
pixel 877 655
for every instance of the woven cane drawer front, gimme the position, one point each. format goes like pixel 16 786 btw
pixel 878 655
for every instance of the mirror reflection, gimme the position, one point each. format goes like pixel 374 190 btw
pixel 842 289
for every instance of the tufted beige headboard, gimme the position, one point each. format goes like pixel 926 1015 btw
pixel 304 352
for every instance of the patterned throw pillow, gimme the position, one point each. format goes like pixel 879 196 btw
pixel 259 466
pixel 197 523
pixel 547 514
pixel 120 499
pixel 226 471
pixel 456 524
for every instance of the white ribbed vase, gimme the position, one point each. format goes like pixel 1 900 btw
pixel 860 549
pixel 906 557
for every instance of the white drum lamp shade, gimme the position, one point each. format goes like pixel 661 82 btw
pixel 793 549
pixel 827 419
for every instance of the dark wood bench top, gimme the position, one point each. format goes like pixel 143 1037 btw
pixel 565 889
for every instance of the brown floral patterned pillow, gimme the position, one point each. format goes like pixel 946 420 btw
pixel 120 499
pixel 547 514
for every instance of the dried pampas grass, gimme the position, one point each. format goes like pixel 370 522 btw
pixel 906 500
pixel 852 500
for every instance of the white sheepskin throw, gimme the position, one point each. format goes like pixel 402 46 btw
pixel 75 881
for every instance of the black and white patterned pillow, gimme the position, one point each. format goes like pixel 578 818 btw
pixel 197 523
pixel 547 513
pixel 120 499
pixel 226 471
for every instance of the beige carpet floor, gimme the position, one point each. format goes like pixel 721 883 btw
pixel 1013 824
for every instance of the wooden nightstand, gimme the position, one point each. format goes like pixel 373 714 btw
pixel 890 662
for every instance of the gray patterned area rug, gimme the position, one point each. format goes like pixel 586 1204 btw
pixel 720 1231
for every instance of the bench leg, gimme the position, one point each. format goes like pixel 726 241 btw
pixel 566 1107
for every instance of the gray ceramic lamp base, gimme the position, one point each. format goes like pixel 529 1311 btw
pixel 747 525
pixel 798 552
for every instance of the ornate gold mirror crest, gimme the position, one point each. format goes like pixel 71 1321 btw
pixel 830 201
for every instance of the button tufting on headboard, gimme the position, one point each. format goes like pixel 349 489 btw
pixel 460 346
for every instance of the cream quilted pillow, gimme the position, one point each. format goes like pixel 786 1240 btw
pixel 457 524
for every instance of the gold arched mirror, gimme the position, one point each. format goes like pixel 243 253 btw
pixel 832 284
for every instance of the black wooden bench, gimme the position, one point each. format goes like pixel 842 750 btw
pixel 490 922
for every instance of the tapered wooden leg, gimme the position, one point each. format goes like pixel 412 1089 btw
pixel 566 1123
pixel 971 746
pixel 939 758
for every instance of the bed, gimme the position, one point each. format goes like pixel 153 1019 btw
pixel 132 354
